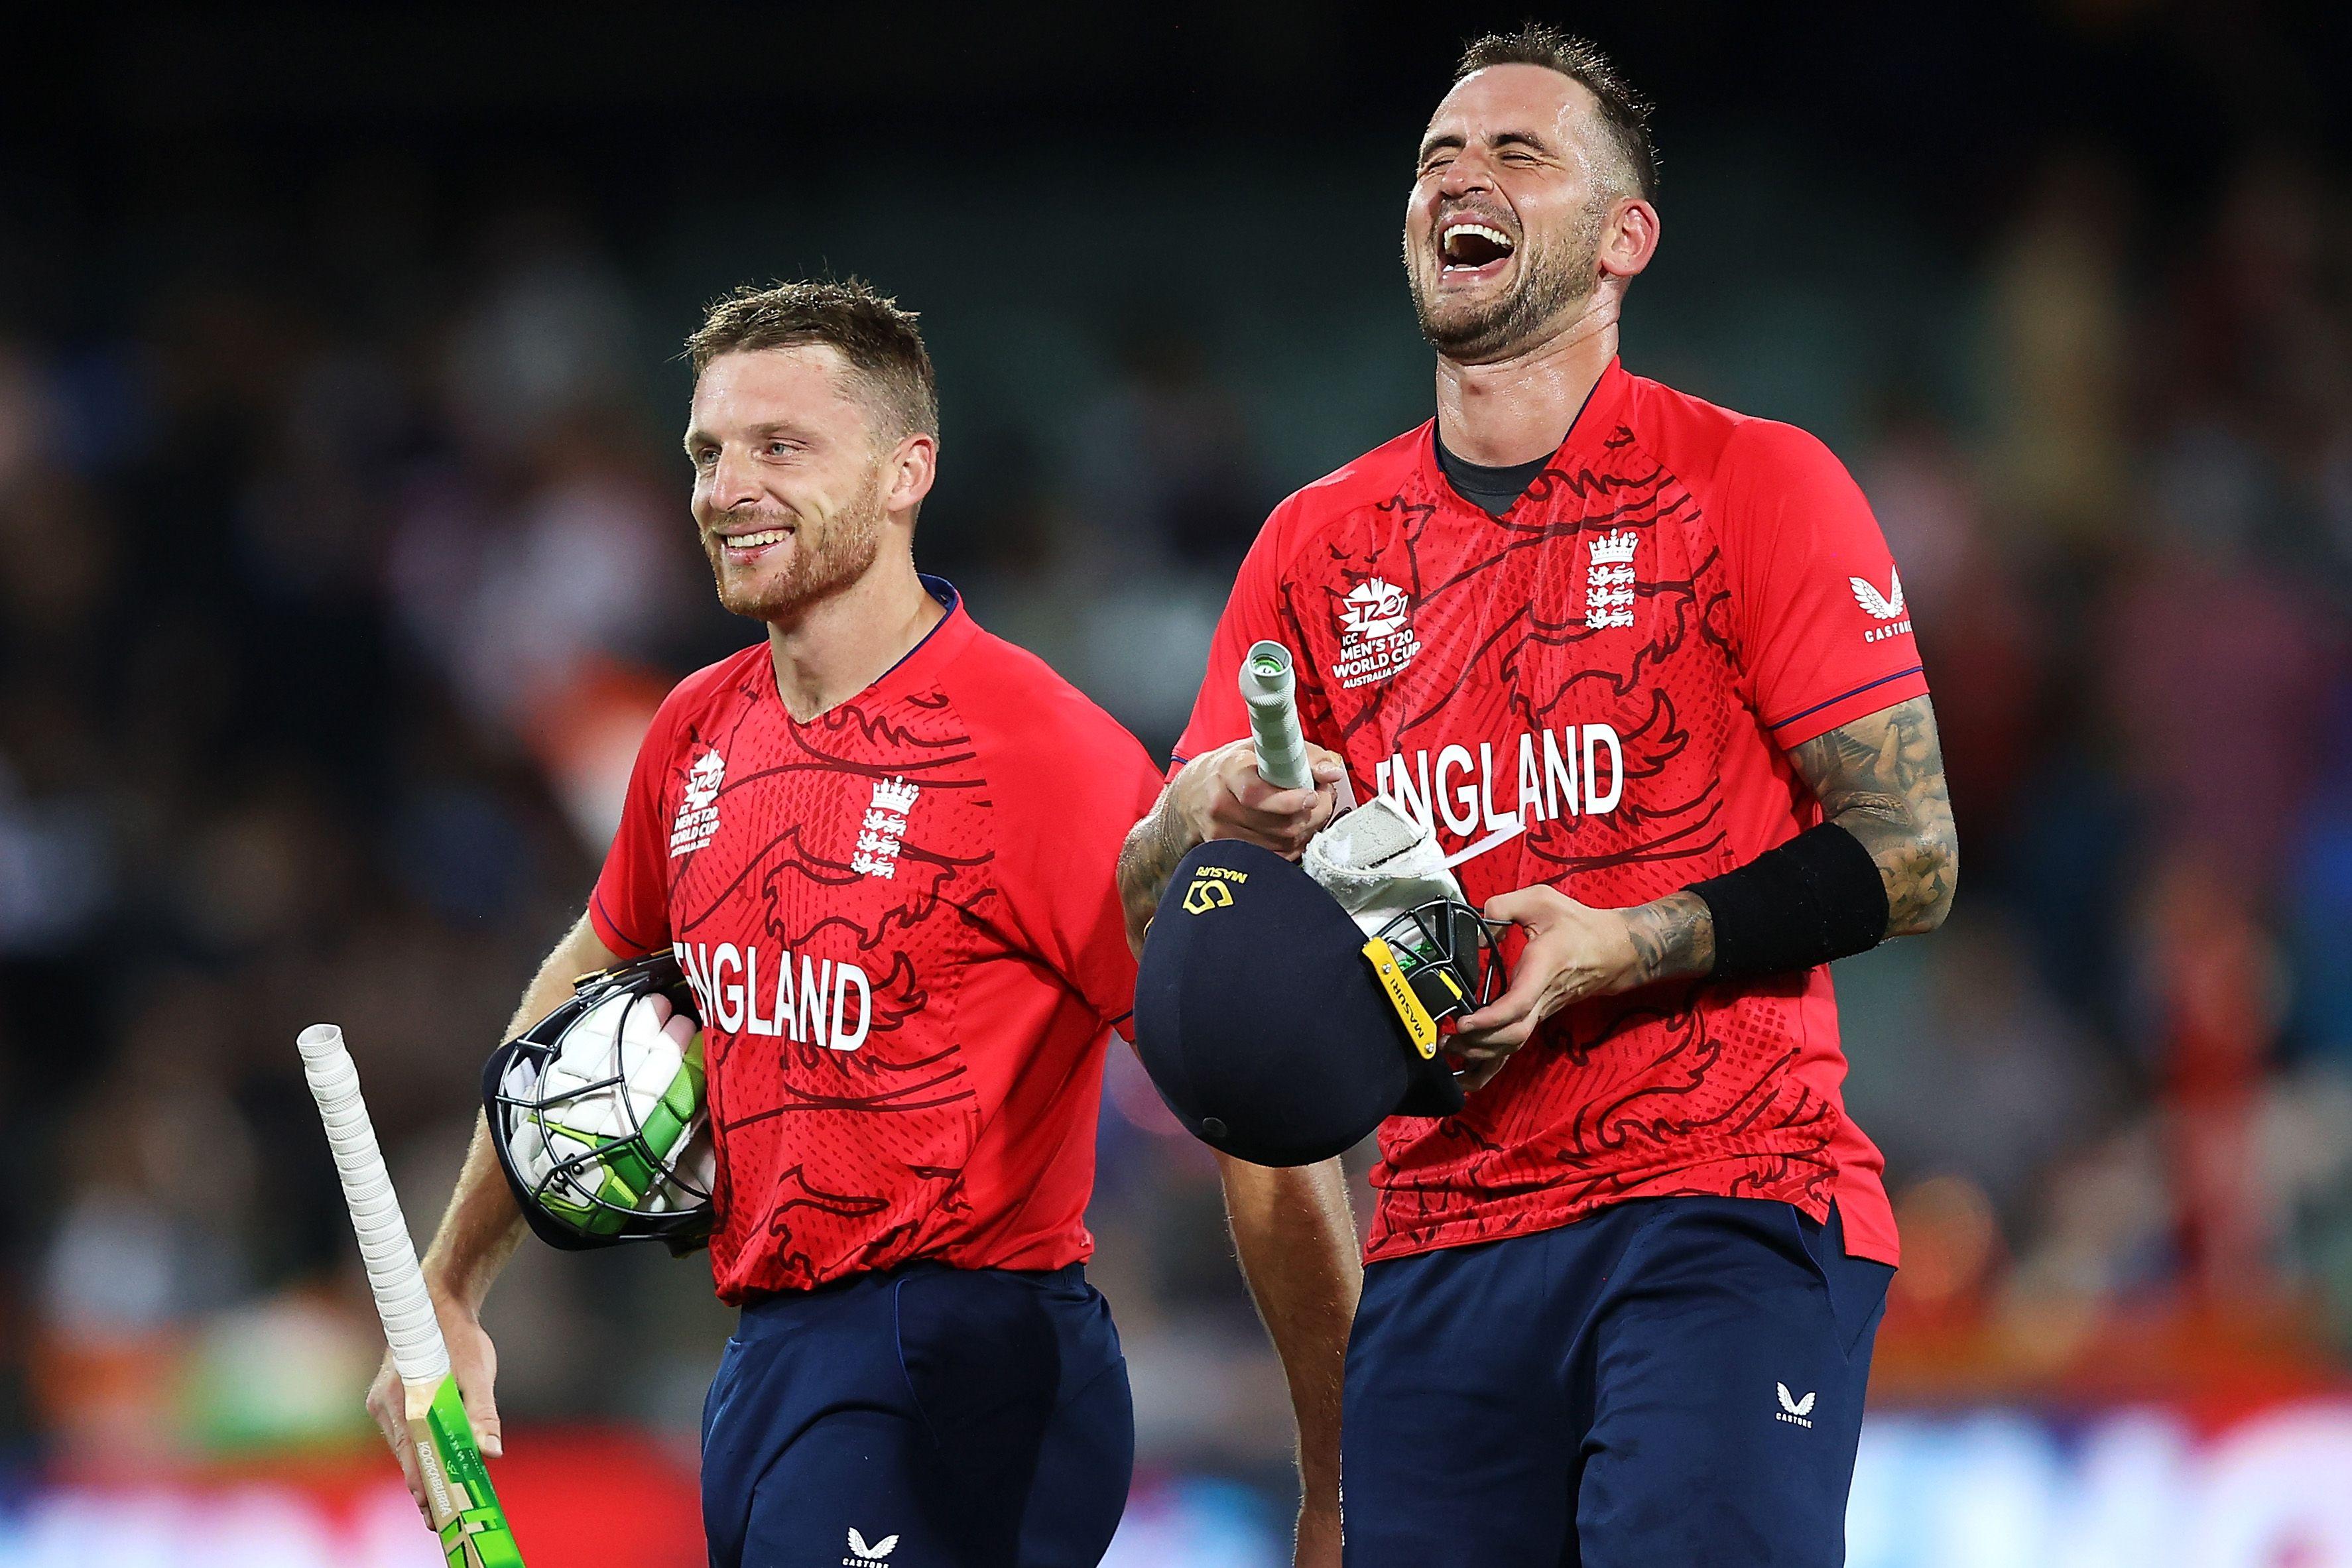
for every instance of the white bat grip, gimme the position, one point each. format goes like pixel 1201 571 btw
pixel 418 1352
pixel 1270 690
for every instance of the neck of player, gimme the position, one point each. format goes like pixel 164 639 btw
pixel 1518 408
pixel 830 651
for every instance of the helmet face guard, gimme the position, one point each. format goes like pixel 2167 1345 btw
pixel 628 1182
pixel 1446 952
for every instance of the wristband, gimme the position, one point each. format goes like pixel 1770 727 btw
pixel 1817 898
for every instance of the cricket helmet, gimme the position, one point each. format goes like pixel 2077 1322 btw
pixel 1282 1031
pixel 596 1113
pixel 1384 867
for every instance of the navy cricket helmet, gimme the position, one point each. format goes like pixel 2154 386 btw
pixel 1279 1031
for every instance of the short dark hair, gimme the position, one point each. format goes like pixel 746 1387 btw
pixel 868 329
pixel 1625 113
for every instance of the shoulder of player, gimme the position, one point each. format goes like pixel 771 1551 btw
pixel 1366 481
pixel 1720 451
pixel 1025 716
pixel 1372 476
pixel 713 686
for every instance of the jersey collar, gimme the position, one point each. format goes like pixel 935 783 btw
pixel 1587 438
pixel 918 665
pixel 1603 412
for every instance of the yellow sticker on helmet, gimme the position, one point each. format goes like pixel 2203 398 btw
pixel 1204 895
pixel 1418 1025
pixel 1213 888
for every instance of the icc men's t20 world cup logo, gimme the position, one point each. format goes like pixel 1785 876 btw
pixel 1376 636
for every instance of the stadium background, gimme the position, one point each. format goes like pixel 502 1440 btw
pixel 345 546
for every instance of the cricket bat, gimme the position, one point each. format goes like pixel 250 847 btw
pixel 465 1510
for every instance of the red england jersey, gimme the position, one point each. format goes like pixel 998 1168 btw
pixel 1597 690
pixel 901 922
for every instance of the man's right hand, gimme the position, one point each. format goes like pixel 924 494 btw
pixel 476 1362
pixel 1219 795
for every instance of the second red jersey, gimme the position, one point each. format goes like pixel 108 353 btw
pixel 900 920
pixel 1597 690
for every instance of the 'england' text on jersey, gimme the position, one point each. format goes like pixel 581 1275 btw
pixel 1460 788
pixel 727 982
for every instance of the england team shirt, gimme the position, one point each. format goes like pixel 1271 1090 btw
pixel 1598 690
pixel 901 925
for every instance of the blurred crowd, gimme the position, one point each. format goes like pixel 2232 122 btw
pixel 347 552
pixel 2117 1092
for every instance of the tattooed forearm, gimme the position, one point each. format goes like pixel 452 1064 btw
pixel 1882 780
pixel 1674 937
pixel 1146 862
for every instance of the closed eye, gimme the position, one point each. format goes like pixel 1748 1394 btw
pixel 1437 152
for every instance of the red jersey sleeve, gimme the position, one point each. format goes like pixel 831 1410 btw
pixel 1069 801
pixel 1819 617
pixel 630 907
pixel 1252 613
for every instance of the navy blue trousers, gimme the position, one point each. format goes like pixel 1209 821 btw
pixel 924 1416
pixel 1671 1382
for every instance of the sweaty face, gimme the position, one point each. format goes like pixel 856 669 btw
pixel 1503 229
pixel 788 478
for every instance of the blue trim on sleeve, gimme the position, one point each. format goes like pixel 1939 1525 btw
pixel 1866 685
pixel 596 897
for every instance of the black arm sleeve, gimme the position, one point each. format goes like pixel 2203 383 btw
pixel 1815 898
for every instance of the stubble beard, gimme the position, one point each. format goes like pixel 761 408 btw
pixel 1555 277
pixel 826 559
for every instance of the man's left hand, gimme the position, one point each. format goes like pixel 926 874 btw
pixel 1573 951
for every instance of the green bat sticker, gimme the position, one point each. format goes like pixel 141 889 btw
pixel 475 1534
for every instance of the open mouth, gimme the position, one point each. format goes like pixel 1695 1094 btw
pixel 1466 247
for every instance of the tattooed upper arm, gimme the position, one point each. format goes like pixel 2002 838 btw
pixel 1882 780
pixel 1146 862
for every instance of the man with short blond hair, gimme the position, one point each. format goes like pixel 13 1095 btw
pixel 879 843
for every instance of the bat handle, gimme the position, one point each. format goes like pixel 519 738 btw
pixel 1270 690
pixel 395 1278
